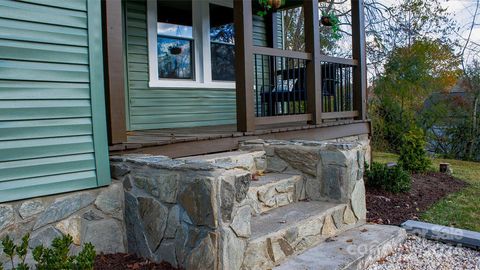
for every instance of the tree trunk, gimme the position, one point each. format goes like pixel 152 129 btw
pixel 474 127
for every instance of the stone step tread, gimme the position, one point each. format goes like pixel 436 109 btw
pixel 271 178
pixel 284 217
pixel 355 248
pixel 224 155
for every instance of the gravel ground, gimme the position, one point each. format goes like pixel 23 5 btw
pixel 420 253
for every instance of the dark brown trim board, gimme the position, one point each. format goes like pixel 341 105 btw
pixel 115 71
pixel 312 46
pixel 244 65
pixel 359 54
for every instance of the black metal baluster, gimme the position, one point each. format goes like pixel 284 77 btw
pixel 255 74
pixel 296 82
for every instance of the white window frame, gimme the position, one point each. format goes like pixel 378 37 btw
pixel 201 41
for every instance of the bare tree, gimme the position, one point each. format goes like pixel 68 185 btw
pixel 471 74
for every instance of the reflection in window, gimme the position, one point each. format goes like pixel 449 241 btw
pixel 175 40
pixel 222 43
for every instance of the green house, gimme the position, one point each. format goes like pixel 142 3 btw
pixel 82 78
pixel 53 136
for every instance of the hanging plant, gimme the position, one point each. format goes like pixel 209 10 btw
pixel 175 50
pixel 331 20
pixel 267 5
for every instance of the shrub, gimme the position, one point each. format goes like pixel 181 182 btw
pixel 413 156
pixel 393 179
pixel 12 250
pixel 56 257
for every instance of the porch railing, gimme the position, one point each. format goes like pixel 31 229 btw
pixel 337 88
pixel 279 86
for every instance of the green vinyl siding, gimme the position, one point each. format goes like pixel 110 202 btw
pixel 155 108
pixel 52 107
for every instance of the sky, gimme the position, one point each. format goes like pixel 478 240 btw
pixel 463 11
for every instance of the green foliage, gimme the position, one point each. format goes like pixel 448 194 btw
pixel 56 257
pixel 335 28
pixel 412 74
pixel 393 179
pixel 265 8
pixel 12 251
pixel 413 156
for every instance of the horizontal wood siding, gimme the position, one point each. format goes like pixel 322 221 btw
pixel 155 108
pixel 52 138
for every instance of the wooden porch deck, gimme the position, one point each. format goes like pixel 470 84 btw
pixel 182 142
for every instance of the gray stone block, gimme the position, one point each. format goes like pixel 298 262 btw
pixel 7 216
pixel 106 235
pixel 64 207
pixel 441 233
pixel 154 218
pixel 43 237
pixel 111 200
pixel 30 208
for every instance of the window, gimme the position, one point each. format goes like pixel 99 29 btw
pixel 191 44
pixel 222 43
pixel 174 40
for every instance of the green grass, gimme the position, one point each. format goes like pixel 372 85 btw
pixel 460 209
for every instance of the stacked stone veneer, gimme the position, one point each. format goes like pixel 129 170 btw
pixel 187 213
pixel 95 216
pixel 197 214
pixel 332 170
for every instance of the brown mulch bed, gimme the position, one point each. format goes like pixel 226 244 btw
pixel 124 261
pixel 388 208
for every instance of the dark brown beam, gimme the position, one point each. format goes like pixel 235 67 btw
pixel 282 119
pixel 244 65
pixel 115 70
pixel 359 54
pixel 312 46
pixel 338 60
pixel 281 53
pixel 337 115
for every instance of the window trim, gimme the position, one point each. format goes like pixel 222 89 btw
pixel 201 44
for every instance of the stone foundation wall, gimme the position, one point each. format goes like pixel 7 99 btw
pixel 95 216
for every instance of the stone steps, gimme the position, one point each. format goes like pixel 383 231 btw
pixel 356 248
pixel 274 190
pixel 290 229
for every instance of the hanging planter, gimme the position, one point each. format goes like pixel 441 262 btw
pixel 266 5
pixel 332 21
pixel 175 50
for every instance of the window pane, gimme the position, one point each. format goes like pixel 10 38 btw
pixel 175 39
pixel 222 38
pixel 174 58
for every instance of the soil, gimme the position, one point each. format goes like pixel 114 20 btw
pixel 123 261
pixel 388 208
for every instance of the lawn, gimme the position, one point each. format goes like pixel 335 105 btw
pixel 461 209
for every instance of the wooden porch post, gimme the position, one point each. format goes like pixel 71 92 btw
pixel 359 54
pixel 114 49
pixel 312 45
pixel 244 65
